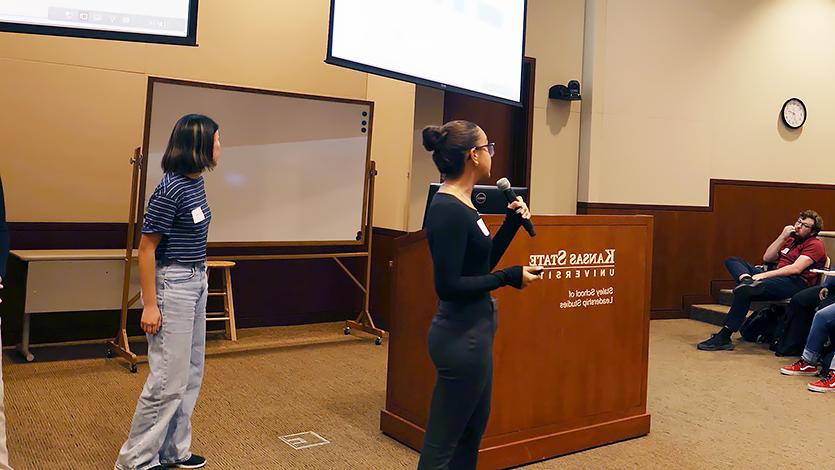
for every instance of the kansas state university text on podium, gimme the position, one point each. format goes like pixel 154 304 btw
pixel 563 264
pixel 566 265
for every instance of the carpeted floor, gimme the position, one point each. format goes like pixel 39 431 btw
pixel 709 410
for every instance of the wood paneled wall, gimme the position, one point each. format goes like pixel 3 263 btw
pixel 691 242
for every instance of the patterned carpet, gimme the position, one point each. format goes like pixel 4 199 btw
pixel 709 410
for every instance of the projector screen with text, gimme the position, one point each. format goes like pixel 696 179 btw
pixel 169 21
pixel 469 46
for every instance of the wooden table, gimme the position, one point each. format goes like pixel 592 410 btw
pixel 70 281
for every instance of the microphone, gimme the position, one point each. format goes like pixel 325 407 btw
pixel 504 186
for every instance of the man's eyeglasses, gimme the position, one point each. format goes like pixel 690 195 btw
pixel 809 226
pixel 491 148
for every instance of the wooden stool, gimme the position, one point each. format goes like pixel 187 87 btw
pixel 228 313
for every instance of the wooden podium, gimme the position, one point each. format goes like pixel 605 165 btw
pixel 570 355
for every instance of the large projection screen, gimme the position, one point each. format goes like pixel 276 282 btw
pixel 292 169
pixel 157 21
pixel 473 47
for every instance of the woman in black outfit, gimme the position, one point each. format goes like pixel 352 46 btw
pixel 463 255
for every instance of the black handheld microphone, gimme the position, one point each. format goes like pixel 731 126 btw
pixel 504 186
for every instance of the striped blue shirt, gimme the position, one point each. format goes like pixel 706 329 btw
pixel 178 211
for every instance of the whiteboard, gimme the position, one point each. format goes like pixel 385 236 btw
pixel 292 168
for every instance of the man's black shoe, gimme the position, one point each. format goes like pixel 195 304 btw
pixel 749 289
pixel 717 342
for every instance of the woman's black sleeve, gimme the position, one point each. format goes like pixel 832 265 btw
pixel 511 224
pixel 448 229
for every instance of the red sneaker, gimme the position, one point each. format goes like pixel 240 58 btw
pixel 825 384
pixel 800 367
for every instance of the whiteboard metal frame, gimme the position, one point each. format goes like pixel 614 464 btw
pixel 146 146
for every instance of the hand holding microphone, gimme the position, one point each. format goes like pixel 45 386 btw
pixel 516 203
pixel 518 206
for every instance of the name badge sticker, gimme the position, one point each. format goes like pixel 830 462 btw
pixel 785 250
pixel 198 215
pixel 483 228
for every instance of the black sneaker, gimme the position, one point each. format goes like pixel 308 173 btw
pixel 195 461
pixel 716 342
pixel 749 289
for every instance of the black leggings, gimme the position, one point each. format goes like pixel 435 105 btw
pixel 461 347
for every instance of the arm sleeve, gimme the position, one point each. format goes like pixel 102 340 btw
pixel 159 218
pixel 511 224
pixel 816 252
pixel 4 234
pixel 448 236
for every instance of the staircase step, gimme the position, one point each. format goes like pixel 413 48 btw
pixel 725 297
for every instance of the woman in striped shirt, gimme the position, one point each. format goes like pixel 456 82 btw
pixel 172 274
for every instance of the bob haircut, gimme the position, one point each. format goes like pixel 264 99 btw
pixel 191 145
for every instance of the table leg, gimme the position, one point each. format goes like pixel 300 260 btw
pixel 23 346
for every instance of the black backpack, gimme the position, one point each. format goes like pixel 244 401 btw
pixel 793 330
pixel 791 333
pixel 761 325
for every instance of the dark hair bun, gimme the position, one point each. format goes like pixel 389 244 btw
pixel 432 136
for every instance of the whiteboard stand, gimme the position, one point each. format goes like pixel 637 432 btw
pixel 120 344
pixel 364 321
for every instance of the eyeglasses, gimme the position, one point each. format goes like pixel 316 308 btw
pixel 809 226
pixel 491 148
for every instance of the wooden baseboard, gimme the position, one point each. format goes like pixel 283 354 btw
pixel 401 430
pixel 666 314
pixel 562 443
pixel 529 450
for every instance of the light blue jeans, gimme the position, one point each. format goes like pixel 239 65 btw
pixel 823 328
pixel 160 432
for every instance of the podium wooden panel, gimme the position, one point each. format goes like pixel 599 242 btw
pixel 568 375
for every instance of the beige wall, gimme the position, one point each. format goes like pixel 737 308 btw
pixel 677 92
pixel 429 111
pixel 555 39
pixel 73 109
pixel 66 138
pixel 394 111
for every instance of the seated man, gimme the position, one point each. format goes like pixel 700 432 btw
pixel 796 251
pixel 823 327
